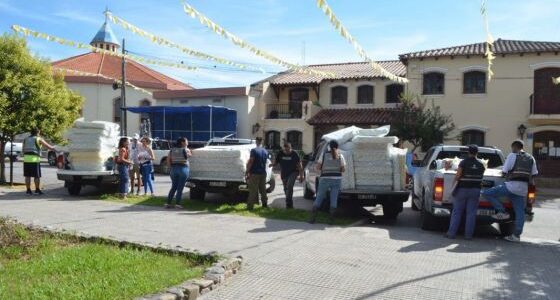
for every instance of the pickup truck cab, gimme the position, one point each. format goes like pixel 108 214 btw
pixel 432 187
pixel 231 184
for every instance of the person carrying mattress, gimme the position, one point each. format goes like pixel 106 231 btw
pixel 290 166
pixel 331 165
pixel 179 165
pixel 145 158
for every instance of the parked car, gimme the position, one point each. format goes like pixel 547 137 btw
pixel 161 150
pixel 432 188
pixel 15 153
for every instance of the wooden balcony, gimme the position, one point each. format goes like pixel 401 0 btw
pixel 292 110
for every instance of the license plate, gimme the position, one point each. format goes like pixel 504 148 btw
pixel 485 212
pixel 219 183
pixel 367 197
pixel 89 177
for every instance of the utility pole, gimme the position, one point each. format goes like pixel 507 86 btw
pixel 123 94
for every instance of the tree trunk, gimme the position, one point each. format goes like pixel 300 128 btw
pixel 12 161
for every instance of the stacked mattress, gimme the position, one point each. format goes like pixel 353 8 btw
pixel 91 144
pixel 220 163
pixel 373 166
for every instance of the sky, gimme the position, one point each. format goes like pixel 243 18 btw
pixel 294 30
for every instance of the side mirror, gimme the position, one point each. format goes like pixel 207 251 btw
pixel 433 165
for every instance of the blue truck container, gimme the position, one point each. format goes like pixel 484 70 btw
pixel 196 123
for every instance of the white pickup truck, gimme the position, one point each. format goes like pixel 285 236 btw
pixel 219 168
pixel 432 187
pixel 17 150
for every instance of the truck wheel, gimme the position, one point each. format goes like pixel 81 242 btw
pixel 51 157
pixel 74 189
pixel 507 228
pixel 308 193
pixel 429 222
pixel 391 211
pixel 197 194
pixel 413 205
pixel 271 185
pixel 164 168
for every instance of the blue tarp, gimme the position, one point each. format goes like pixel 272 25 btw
pixel 196 123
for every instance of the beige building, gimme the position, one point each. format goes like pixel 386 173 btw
pixel 520 101
pixel 300 108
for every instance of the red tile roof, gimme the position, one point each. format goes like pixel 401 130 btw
pixel 500 47
pixel 352 116
pixel 110 66
pixel 351 70
pixel 202 93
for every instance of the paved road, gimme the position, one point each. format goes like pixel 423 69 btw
pixel 292 260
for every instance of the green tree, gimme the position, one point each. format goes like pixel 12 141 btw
pixel 31 95
pixel 420 124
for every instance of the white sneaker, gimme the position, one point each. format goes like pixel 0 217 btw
pixel 501 216
pixel 513 238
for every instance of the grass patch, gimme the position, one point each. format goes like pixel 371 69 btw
pixel 236 209
pixel 38 265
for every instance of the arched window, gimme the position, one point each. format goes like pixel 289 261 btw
pixel 473 136
pixel 339 95
pixel 366 94
pixel 546 96
pixel 433 83
pixel 393 93
pixel 295 138
pixel 474 82
pixel 272 140
pixel 117 113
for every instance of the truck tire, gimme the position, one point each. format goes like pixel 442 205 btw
pixel 308 193
pixel 271 185
pixel 51 158
pixel 74 189
pixel 392 210
pixel 413 205
pixel 241 196
pixel 163 167
pixel 197 194
pixel 428 221
pixel 506 228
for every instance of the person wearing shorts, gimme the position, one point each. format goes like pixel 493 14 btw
pixel 32 160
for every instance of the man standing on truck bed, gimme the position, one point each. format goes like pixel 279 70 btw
pixel 32 160
pixel 466 193
pixel 256 175
pixel 519 169
pixel 290 168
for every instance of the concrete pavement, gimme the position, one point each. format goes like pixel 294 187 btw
pixel 294 260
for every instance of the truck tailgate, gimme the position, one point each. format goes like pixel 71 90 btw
pixel 492 178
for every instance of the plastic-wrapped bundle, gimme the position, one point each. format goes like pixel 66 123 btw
pixel 398 157
pixel 343 135
pixel 220 163
pixel 375 140
pixel 206 164
pixel 239 152
pixel 379 132
pixel 369 156
pixel 91 144
pixel 377 188
pixel 348 180
pixel 218 175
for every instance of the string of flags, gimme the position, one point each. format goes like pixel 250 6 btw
pixel 165 42
pixel 556 80
pixel 28 32
pixel 322 5
pixel 81 73
pixel 193 13
pixel 490 56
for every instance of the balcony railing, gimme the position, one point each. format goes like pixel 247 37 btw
pixel 284 111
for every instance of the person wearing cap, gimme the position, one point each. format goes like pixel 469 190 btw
pixel 145 157
pixel 331 165
pixel 519 169
pixel 133 148
pixel 466 193
pixel 256 175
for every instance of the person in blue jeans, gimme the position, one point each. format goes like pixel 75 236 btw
pixel 178 161
pixel 145 158
pixel 123 164
pixel 331 165
pixel 466 193
pixel 519 169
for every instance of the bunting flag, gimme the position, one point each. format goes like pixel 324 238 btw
pixel 28 32
pixel 165 42
pixel 556 80
pixel 189 10
pixel 322 4
pixel 80 73
pixel 489 40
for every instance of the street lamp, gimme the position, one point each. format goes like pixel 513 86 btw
pixel 521 130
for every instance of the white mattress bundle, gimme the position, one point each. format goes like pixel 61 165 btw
pixel 91 144
pixel 372 161
pixel 220 163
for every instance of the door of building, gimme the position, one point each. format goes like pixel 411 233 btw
pixel 546 150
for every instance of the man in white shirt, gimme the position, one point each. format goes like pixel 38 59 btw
pixel 519 169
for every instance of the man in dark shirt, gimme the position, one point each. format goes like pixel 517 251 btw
pixel 466 193
pixel 256 175
pixel 290 168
